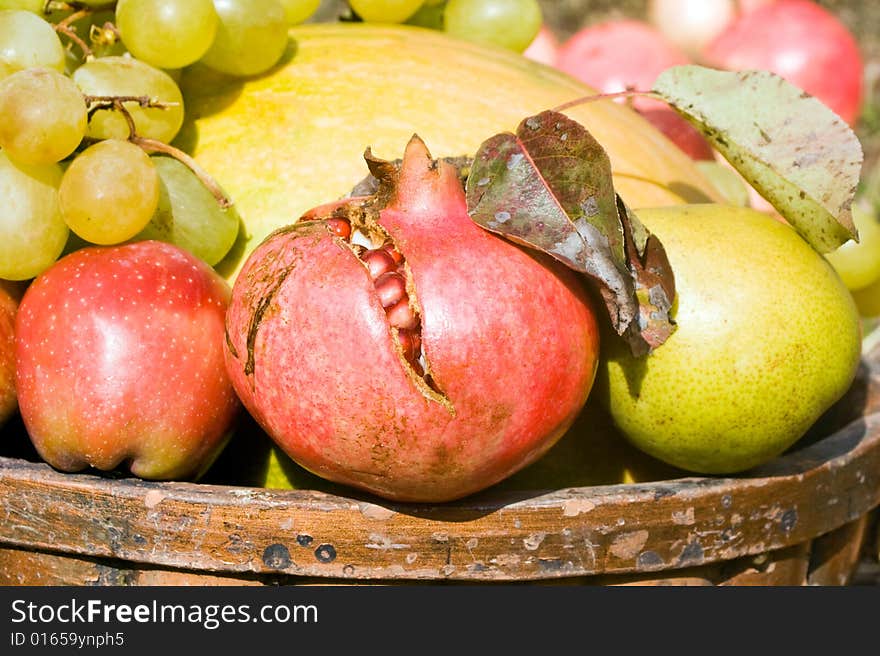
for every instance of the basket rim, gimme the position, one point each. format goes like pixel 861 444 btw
pixel 609 529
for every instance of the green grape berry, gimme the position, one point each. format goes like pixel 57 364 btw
pixel 188 215
pixel 126 76
pixel 27 41
pixel 251 37
pixel 33 6
pixel 299 11
pixel 385 11
pixel 109 192
pixel 42 116
pixel 32 232
pixel 511 24
pixel 167 33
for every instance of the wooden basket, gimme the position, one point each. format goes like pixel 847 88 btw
pixel 804 518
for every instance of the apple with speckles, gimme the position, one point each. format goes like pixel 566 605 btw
pixel 119 362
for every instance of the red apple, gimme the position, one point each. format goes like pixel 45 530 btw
pixel 679 131
pixel 802 42
pixel 119 361
pixel 544 48
pixel 8 305
pixel 617 55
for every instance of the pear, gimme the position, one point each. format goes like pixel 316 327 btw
pixel 768 338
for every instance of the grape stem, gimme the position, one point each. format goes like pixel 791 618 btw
pixel 64 27
pixel 153 145
pixel 628 93
pixel 72 18
pixel 97 103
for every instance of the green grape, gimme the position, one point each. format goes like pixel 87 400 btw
pixel 126 76
pixel 42 116
pixel 511 24
pixel 251 37
pixel 32 232
pixel 167 33
pixel 33 6
pixel 385 11
pixel 858 263
pixel 109 192
pixel 27 41
pixel 430 15
pixel 298 11
pixel 188 214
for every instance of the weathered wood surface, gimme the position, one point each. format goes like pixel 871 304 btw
pixel 788 567
pixel 715 530
pixel 610 529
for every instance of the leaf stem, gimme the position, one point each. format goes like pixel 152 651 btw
pixel 628 93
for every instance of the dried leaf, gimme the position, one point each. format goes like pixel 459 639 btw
pixel 795 151
pixel 654 282
pixel 549 187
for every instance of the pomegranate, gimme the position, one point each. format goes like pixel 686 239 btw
pixel 403 350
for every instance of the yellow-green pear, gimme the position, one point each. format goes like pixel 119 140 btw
pixel 767 339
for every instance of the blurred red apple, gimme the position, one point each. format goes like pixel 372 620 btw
pixel 679 131
pixel 801 41
pixel 119 361
pixel 544 48
pixel 617 55
pixel 8 305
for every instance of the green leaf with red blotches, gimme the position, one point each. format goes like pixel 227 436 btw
pixel 549 187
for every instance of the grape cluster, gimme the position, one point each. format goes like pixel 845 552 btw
pixel 511 24
pixel 89 105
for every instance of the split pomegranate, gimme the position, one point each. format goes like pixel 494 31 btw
pixel 391 344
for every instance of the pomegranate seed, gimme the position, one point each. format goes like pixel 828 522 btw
pixel 378 262
pixel 401 315
pixel 339 227
pixel 395 254
pixel 391 288
pixel 411 344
